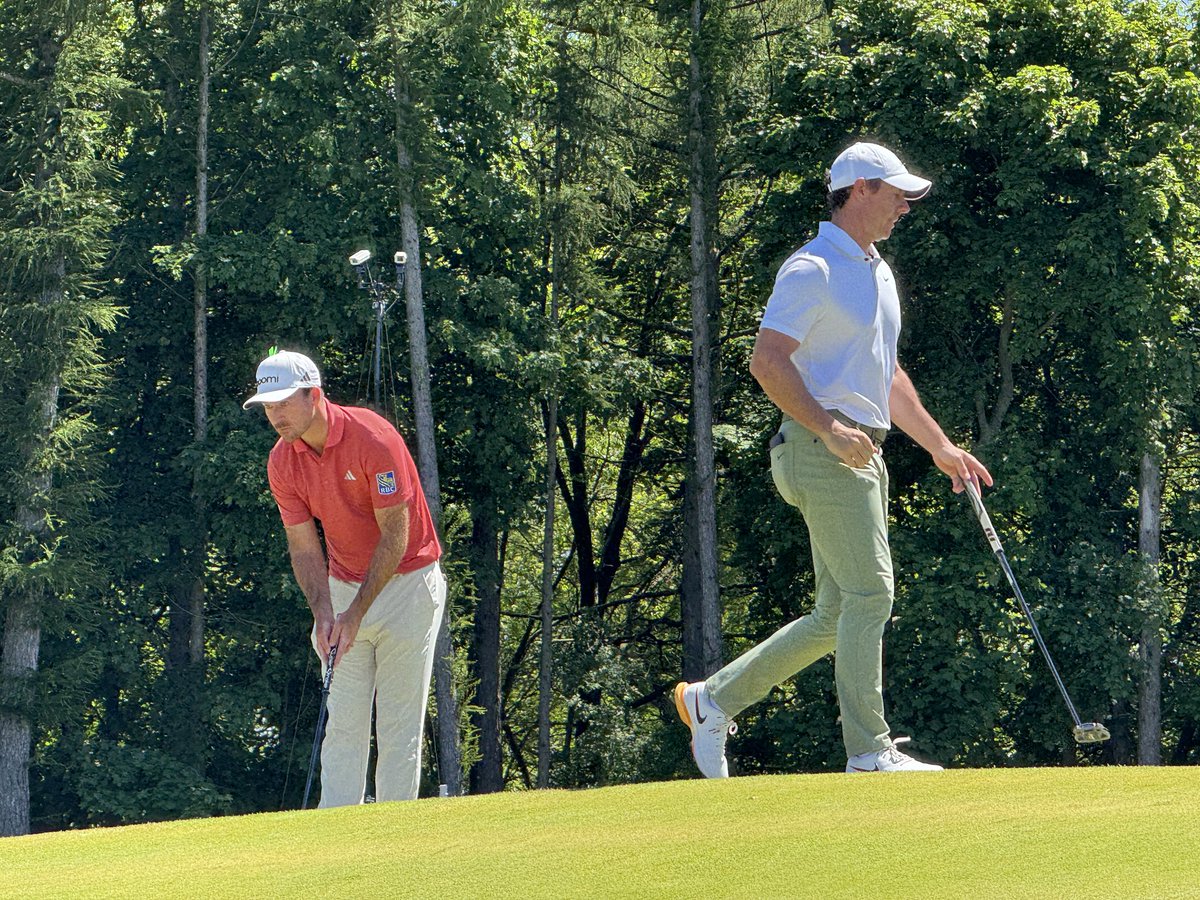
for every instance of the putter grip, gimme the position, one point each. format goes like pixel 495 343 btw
pixel 329 667
pixel 984 519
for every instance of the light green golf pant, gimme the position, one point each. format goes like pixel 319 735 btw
pixel 846 513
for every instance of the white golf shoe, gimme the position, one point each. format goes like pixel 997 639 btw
pixel 710 726
pixel 889 759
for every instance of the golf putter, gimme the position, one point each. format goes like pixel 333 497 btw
pixel 322 714
pixel 1084 732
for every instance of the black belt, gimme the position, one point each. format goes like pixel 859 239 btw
pixel 877 435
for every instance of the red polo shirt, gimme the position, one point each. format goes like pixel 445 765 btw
pixel 365 466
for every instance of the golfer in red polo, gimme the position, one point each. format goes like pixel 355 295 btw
pixel 375 588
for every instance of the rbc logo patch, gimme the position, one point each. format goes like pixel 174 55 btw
pixel 386 482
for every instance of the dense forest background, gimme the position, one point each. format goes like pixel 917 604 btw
pixel 594 198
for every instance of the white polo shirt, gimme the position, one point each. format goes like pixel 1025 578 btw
pixel 842 306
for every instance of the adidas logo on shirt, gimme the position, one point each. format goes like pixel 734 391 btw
pixel 349 476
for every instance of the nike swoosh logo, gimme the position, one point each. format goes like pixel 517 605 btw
pixel 699 718
pixel 857 769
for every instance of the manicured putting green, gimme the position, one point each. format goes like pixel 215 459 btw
pixel 1085 832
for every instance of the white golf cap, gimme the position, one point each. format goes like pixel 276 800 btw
pixel 282 374
pixel 863 160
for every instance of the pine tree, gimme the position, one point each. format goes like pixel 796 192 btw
pixel 55 214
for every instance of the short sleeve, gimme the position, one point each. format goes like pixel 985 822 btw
pixel 801 292
pixel 389 469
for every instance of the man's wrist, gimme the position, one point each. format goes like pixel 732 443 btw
pixel 823 427
pixel 356 610
pixel 941 441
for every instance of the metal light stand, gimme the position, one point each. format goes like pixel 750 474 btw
pixel 380 301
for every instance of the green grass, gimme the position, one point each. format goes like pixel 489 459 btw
pixel 1087 832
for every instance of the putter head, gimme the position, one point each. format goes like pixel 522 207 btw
pixel 1090 733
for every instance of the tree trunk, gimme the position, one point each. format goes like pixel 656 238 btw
pixel 546 656
pixel 1119 749
pixel 22 632
pixel 1150 651
pixel 573 482
pixel 200 287
pixel 185 655
pixel 990 423
pixel 22 620
pixel 636 440
pixel 487 775
pixel 701 603
pixel 558 253
pixel 18 666
pixel 200 364
pixel 449 756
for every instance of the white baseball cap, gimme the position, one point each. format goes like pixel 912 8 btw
pixel 282 374
pixel 863 160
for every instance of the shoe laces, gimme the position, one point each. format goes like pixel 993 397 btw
pixel 893 753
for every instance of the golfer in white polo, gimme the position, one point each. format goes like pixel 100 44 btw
pixel 826 356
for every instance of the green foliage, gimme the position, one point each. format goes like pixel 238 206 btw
pixel 57 208
pixel 121 785
pixel 1049 281
pixel 615 741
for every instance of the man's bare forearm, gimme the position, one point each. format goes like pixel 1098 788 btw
pixel 911 417
pixel 784 387
pixel 772 367
pixel 384 561
pixel 312 574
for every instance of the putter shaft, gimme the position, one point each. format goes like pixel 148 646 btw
pixel 1084 732
pixel 322 714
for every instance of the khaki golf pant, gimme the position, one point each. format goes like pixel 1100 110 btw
pixel 846 513
pixel 387 670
